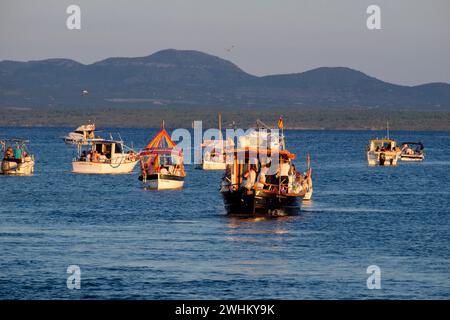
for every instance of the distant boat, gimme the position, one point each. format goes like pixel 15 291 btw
pixel 214 152
pixel 412 151
pixel 383 152
pixel 16 160
pixel 162 164
pixel 81 134
pixel 100 156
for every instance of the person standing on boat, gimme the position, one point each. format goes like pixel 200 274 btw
pixel 250 177
pixel 18 153
pixel 262 176
pixel 283 171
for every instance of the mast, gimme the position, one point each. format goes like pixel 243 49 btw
pixel 387 128
pixel 220 125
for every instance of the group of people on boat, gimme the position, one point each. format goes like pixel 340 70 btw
pixel 282 177
pixel 18 154
pixel 214 156
pixel 95 156
pixel 408 150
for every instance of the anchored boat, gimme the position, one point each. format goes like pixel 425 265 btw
pixel 215 154
pixel 412 151
pixel 262 179
pixel 100 156
pixel 162 164
pixel 382 152
pixel 16 160
pixel 81 134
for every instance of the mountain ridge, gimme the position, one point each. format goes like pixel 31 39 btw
pixel 190 77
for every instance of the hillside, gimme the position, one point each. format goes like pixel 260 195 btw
pixel 192 78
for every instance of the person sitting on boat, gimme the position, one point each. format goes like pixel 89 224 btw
pixel 9 153
pixel 83 156
pixel 250 177
pixel 95 156
pixel 102 157
pixel 164 170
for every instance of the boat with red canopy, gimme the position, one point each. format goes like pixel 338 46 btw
pixel 162 163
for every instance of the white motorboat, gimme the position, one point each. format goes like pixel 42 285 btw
pixel 382 152
pixel 215 154
pixel 81 134
pixel 16 158
pixel 101 156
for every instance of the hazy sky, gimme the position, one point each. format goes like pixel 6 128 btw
pixel 270 36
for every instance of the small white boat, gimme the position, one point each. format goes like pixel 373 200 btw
pixel 104 157
pixel 412 151
pixel 162 164
pixel 81 134
pixel 214 154
pixel 16 160
pixel 383 152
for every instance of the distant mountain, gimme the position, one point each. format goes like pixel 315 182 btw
pixel 182 77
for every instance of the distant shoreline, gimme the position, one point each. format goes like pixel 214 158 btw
pixel 182 117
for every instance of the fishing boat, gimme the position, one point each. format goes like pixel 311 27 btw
pixel 101 156
pixel 383 152
pixel 81 134
pixel 262 179
pixel 17 160
pixel 162 163
pixel 412 151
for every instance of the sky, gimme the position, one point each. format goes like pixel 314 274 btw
pixel 266 36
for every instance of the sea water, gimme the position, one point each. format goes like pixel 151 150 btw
pixel 135 244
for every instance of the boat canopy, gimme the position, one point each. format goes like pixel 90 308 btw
pixel 251 150
pixel 161 152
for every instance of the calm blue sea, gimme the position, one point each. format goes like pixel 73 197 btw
pixel 135 244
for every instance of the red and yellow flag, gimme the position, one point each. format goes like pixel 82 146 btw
pixel 280 123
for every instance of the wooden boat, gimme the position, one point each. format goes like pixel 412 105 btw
pixel 272 196
pixel 412 151
pixel 100 156
pixel 16 160
pixel 81 134
pixel 162 164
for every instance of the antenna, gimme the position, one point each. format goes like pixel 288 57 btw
pixel 387 128
pixel 220 125
pixel 162 124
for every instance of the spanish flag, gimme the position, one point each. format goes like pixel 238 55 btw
pixel 280 123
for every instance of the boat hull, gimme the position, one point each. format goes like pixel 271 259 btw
pixel 13 168
pixel 260 203
pixel 163 182
pixel 213 165
pixel 406 157
pixel 308 195
pixel 382 158
pixel 86 167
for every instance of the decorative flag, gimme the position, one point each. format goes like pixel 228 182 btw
pixel 280 123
